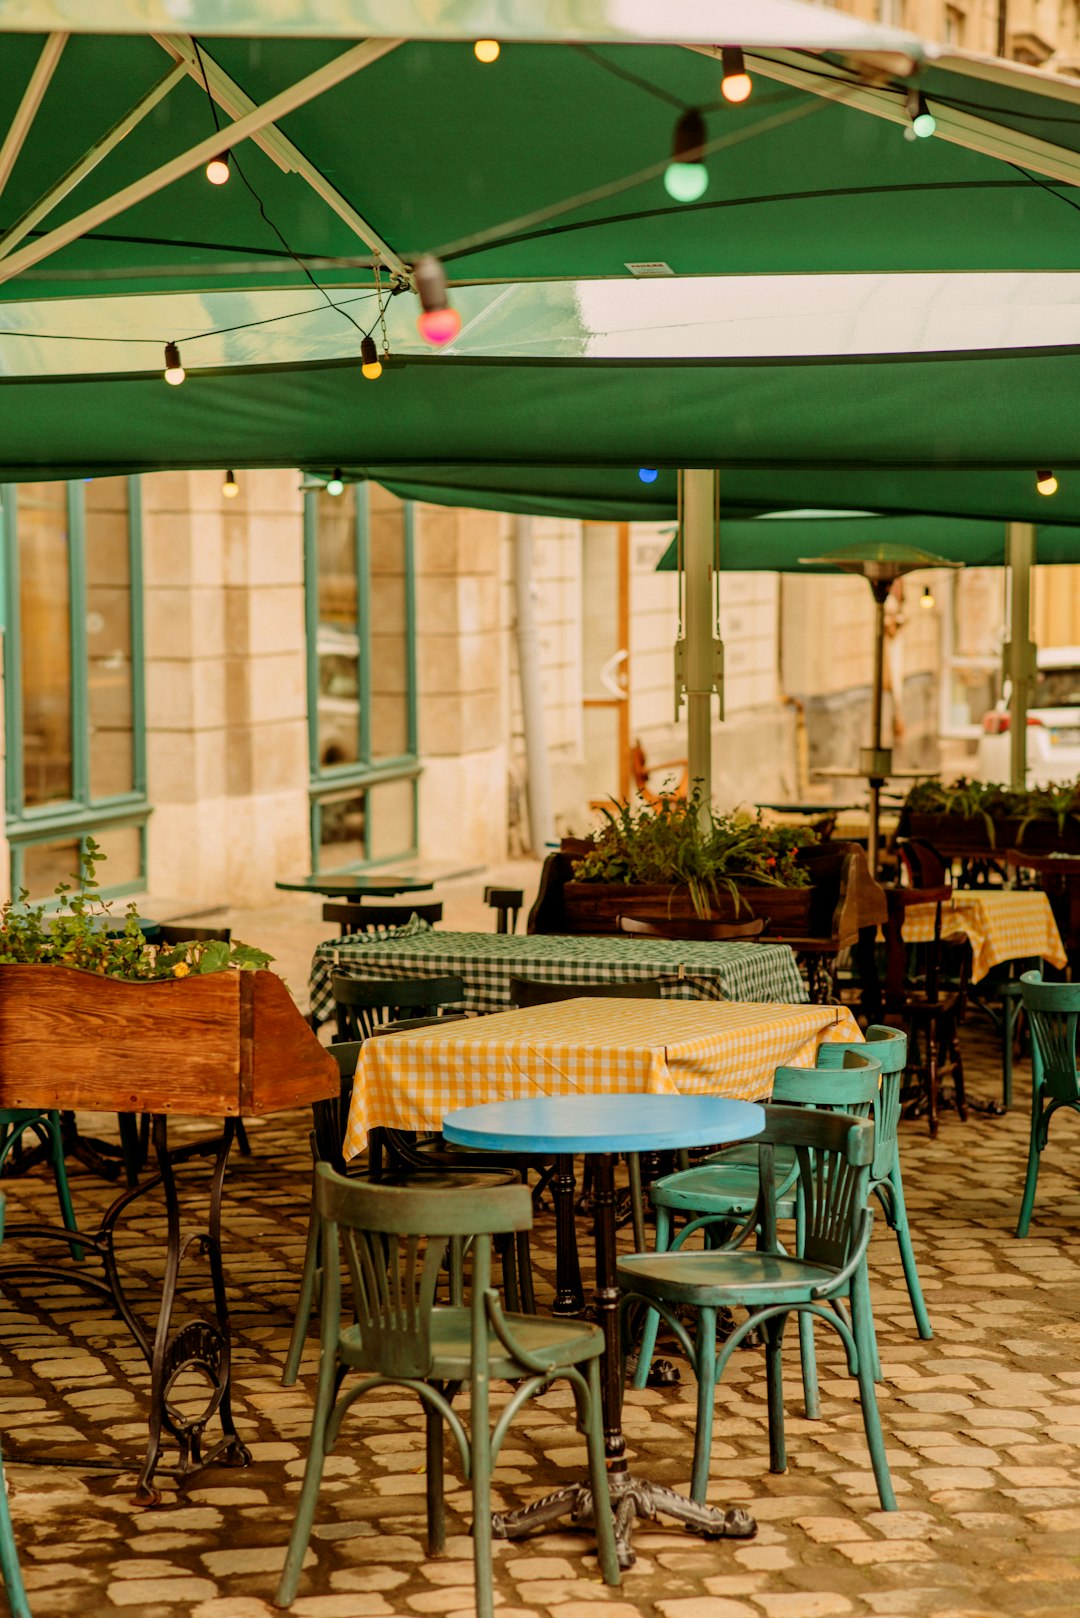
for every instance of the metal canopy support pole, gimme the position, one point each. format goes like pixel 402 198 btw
pixel 1019 649
pixel 876 762
pixel 699 504
pixel 307 89
pixel 27 109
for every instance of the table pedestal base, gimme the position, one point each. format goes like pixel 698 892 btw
pixel 632 1500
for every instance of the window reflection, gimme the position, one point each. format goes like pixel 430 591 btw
pixel 108 639
pixel 45 624
pixel 338 643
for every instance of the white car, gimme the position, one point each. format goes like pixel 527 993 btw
pixel 1053 739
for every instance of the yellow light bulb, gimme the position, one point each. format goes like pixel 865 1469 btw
pixel 217 170
pixel 372 372
pixel 1046 482
pixel 486 50
pixel 174 370
pixel 230 488
pixel 927 600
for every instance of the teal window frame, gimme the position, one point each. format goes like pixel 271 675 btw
pixel 330 781
pixel 81 815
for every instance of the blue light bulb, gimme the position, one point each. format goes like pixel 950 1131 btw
pixel 648 474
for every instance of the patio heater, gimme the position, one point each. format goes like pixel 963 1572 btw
pixel 880 565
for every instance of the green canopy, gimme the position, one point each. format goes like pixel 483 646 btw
pixel 777 542
pixel 955 434
pixel 546 164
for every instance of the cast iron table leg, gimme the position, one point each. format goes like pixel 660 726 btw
pixel 200 1345
pixel 569 1297
pixel 631 1497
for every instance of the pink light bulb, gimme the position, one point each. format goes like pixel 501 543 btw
pixel 439 326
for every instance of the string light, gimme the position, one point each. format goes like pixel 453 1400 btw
pixel 336 485
pixel 438 324
pixel 217 170
pixel 230 488
pixel 1046 482
pixel 648 474
pixel 174 371
pixel 736 83
pixel 370 364
pixel 923 122
pixel 486 50
pixel 686 177
pixel 927 601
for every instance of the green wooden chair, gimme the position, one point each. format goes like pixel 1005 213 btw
pixel 9 1556
pixel 395 1240
pixel 720 1193
pixel 888 1048
pixel 15 1122
pixel 1053 1012
pixel 833 1152
pixel 430 1174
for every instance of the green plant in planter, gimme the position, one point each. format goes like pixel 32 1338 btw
pixel 77 935
pixel 677 842
pixel 994 802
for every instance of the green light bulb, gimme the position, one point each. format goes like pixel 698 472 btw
pixel 686 182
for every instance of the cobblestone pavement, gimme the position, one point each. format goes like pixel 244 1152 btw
pixel 982 1425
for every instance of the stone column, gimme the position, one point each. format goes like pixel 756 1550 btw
pixel 225 685
pixel 463 790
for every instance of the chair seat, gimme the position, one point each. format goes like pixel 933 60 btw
pixel 553 1342
pixel 944 1006
pixel 723 1185
pixel 716 1278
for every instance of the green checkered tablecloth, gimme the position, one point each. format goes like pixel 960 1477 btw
pixel 487 962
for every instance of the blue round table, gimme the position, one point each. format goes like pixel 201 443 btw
pixel 601 1126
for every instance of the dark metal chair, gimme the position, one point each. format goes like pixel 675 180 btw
pixel 361 918
pixel 507 903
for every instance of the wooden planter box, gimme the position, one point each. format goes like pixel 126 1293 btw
pixel 964 834
pixel 594 907
pixel 213 1045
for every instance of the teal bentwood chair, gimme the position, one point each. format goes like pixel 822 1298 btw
pixel 1053 1013
pixel 15 1122
pixel 395 1240
pixel 9 1556
pixel 833 1152
pixel 720 1193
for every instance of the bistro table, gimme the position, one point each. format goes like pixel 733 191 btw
pixel 369 885
pixel 1002 924
pixel 602 1126
pixel 412 1079
pixel 687 969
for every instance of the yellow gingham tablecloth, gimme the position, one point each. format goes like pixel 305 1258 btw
pixel 662 1047
pixel 1003 924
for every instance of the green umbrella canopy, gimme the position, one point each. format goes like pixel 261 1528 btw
pixel 801 541
pixel 547 164
pixel 955 434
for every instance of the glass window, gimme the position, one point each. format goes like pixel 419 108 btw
pixel 73 681
pixel 44 571
pixel 337 644
pixel 110 707
pixel 361 676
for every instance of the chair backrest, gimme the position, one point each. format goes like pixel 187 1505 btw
pixel 888 1048
pixel 900 901
pixel 363 1004
pixel 1053 1011
pixel 506 902
pixel 690 927
pixel 395 1241
pixel 925 867
pixel 361 918
pixel 532 992
pixel 833 1151
pixel 848 1086
pixel 173 932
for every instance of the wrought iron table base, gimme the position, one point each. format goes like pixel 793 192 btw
pixel 631 1498
pixel 201 1345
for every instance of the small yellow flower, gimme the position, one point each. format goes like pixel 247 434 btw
pixel 181 969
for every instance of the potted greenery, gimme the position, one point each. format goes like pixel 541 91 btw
pixel 93 1016
pixel 674 859
pixel 986 817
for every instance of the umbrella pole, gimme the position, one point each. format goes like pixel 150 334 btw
pixel 874 761
pixel 699 507
pixel 1019 653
